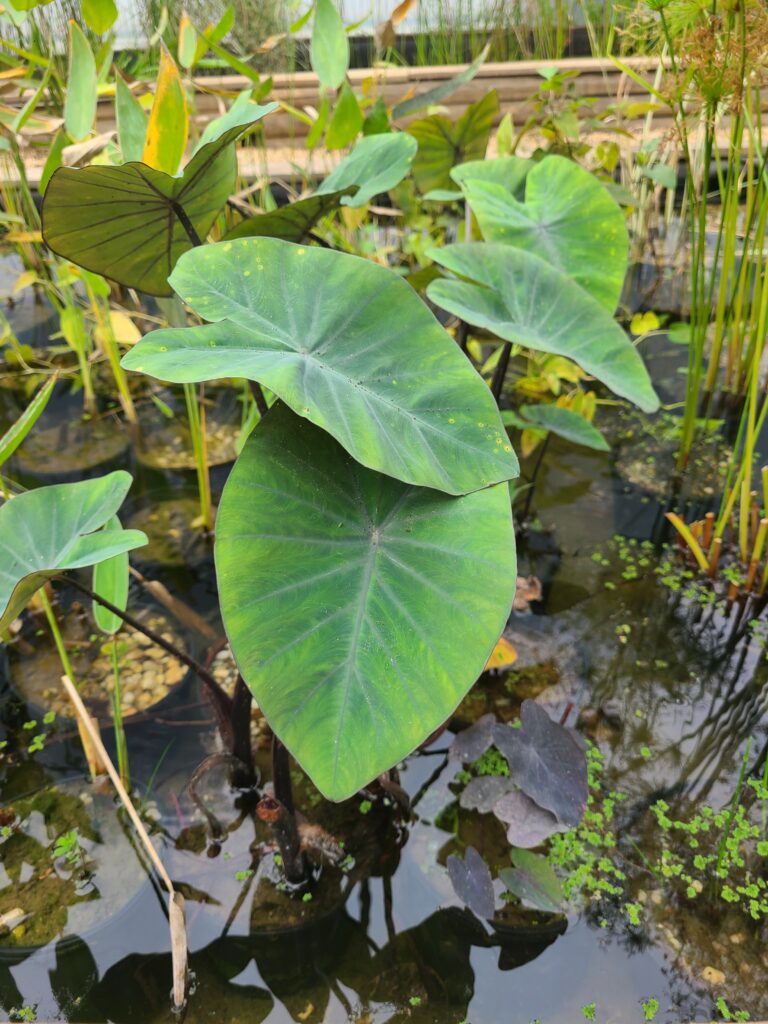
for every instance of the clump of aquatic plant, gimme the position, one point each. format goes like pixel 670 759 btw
pixel 531 776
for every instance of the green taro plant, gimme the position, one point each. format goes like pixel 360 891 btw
pixel 368 512
pixel 546 279
pixel 352 528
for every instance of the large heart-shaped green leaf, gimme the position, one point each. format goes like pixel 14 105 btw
pixel 292 222
pixel 568 219
pixel 360 610
pixel 51 529
pixel 130 223
pixel 444 143
pixel 523 299
pixel 376 164
pixel 346 343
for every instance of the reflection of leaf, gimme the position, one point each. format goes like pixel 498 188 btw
pixel 341 590
pixel 126 222
pixel 49 530
pixel 546 762
pixel 484 792
pixel 442 142
pixel 533 881
pixel 503 655
pixel 522 298
pixel 528 824
pixel 437 427
pixel 473 742
pixel 472 882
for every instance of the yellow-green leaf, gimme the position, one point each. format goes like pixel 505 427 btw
pixel 188 42
pixel 169 121
pixel 99 15
pixel 346 120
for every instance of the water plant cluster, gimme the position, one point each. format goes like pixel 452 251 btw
pixel 376 378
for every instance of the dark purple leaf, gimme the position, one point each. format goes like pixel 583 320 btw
pixel 472 882
pixel 528 824
pixel 473 742
pixel 533 881
pixel 482 793
pixel 546 762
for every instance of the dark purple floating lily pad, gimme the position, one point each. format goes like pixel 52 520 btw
pixel 528 824
pixel 472 882
pixel 546 762
pixel 473 742
pixel 482 793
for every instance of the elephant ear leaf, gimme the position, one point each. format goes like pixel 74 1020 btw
pixel 49 530
pixel 271 321
pixel 568 219
pixel 132 222
pixel 524 299
pixel 342 612
pixel 444 143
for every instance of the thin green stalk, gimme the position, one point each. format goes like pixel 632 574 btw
pixel 109 345
pixel 66 664
pixel 196 416
pixel 117 717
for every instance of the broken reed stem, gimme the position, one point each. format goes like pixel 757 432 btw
pixel 709 526
pixel 715 556
pixel 176 900
pixel 757 552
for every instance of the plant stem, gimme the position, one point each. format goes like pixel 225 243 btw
pixel 117 716
pixel 241 733
pixel 66 664
pixel 500 372
pixel 258 397
pixel 281 775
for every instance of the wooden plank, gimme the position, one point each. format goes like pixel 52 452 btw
pixel 516 84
